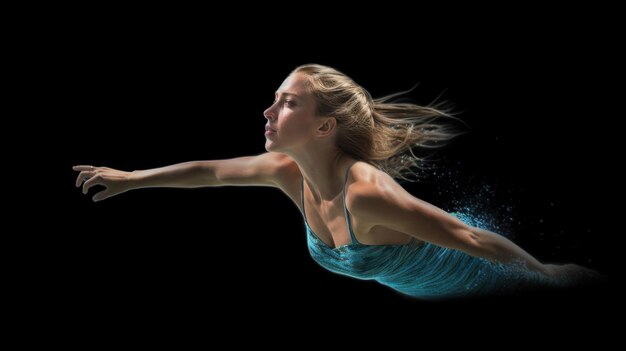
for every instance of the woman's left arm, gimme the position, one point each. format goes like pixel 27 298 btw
pixel 391 206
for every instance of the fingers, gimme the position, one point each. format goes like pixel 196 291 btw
pixel 101 195
pixel 83 168
pixel 86 172
pixel 90 176
pixel 91 182
pixel 82 176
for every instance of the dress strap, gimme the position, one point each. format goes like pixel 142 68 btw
pixel 302 199
pixel 345 209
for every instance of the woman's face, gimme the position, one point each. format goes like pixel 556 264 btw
pixel 291 116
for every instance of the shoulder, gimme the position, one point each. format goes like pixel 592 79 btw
pixel 371 192
pixel 282 165
pixel 279 160
pixel 287 173
pixel 267 162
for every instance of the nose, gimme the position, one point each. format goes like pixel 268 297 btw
pixel 269 113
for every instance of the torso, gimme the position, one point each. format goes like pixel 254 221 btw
pixel 327 218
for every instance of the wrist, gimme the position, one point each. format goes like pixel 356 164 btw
pixel 134 180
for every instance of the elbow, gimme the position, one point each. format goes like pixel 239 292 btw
pixel 199 173
pixel 475 244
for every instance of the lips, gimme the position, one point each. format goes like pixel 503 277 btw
pixel 269 129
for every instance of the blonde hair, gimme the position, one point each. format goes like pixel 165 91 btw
pixel 378 131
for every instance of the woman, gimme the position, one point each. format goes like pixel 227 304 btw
pixel 335 152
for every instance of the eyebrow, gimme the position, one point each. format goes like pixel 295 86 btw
pixel 288 93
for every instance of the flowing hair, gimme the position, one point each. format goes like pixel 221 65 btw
pixel 380 131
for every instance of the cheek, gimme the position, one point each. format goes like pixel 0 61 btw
pixel 295 127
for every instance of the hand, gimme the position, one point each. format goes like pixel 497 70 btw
pixel 570 271
pixel 115 181
pixel 556 270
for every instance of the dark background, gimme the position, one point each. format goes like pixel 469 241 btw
pixel 539 105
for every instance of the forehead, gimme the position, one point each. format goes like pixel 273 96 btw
pixel 294 83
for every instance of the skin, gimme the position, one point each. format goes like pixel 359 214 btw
pixel 303 145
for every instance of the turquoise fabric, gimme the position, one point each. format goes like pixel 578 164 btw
pixel 419 269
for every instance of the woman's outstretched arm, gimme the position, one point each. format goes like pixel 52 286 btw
pixel 260 170
pixel 386 203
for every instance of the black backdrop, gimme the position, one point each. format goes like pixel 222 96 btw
pixel 539 139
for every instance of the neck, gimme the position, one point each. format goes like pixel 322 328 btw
pixel 323 168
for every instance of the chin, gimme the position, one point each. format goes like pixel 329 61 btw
pixel 269 146
pixel 272 146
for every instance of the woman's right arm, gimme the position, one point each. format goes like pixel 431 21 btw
pixel 266 169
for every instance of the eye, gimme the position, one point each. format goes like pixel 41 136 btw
pixel 289 103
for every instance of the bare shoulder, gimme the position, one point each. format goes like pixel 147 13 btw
pixel 367 181
pixel 371 190
pixel 276 159
pixel 378 201
pixel 287 175
pixel 287 170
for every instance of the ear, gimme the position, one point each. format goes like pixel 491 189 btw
pixel 327 126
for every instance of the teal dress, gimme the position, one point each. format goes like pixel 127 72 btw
pixel 420 269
